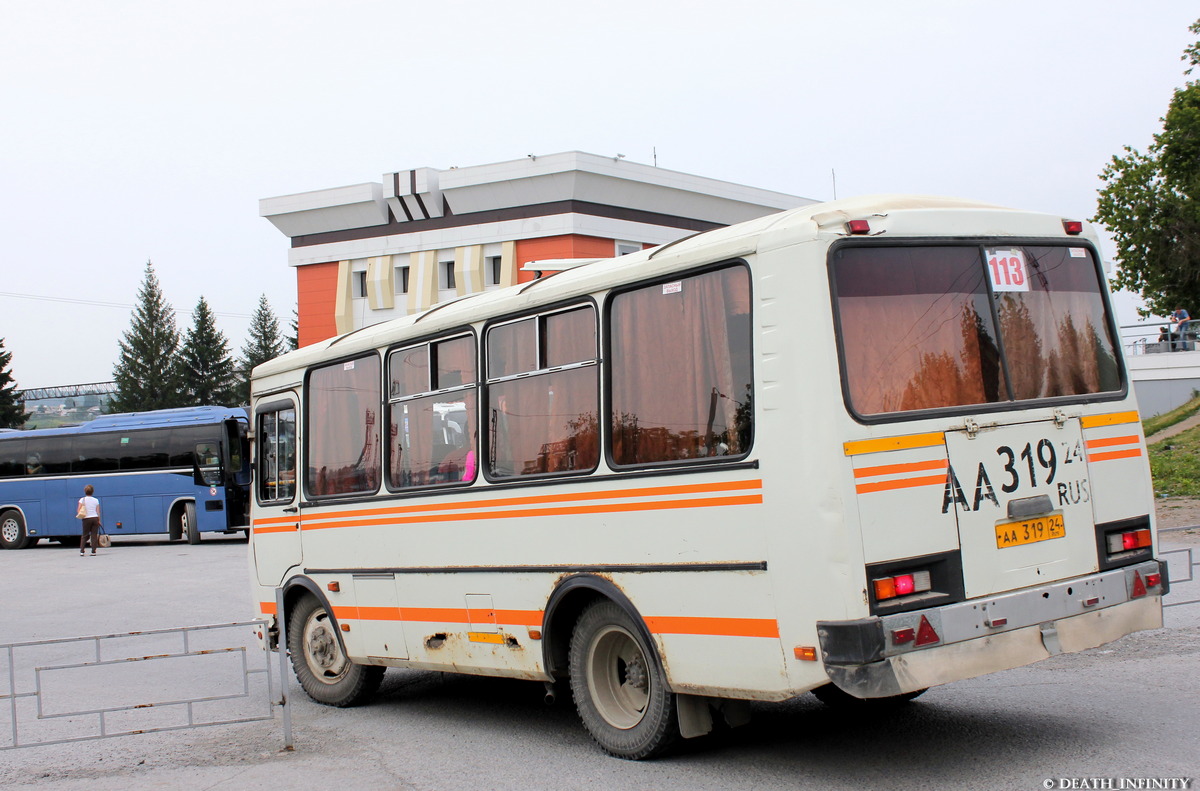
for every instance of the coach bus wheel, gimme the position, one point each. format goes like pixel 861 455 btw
pixel 323 669
pixel 190 527
pixel 619 690
pixel 12 531
pixel 835 697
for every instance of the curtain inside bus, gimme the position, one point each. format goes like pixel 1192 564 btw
pixel 681 369
pixel 343 428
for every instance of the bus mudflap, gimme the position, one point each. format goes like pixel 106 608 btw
pixel 884 656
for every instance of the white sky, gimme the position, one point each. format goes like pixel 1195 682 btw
pixel 143 129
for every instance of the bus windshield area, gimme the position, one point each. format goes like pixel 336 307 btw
pixel 943 326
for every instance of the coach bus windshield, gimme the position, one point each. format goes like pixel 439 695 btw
pixel 932 327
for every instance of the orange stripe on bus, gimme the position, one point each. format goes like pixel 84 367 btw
pixel 1110 441
pixel 892 469
pixel 722 627
pixel 900 483
pixel 541 499
pixel 275 520
pixel 259 530
pixel 893 443
pixel 1115 454
pixel 1111 419
pixel 576 510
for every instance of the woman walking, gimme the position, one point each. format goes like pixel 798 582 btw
pixel 91 520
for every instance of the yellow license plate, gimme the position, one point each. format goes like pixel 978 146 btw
pixel 1030 531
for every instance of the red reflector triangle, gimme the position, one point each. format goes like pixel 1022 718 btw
pixel 926 634
pixel 1139 587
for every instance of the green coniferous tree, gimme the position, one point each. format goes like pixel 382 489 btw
pixel 264 343
pixel 293 340
pixel 145 370
pixel 205 367
pixel 12 411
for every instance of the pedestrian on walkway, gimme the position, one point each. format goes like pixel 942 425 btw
pixel 91 520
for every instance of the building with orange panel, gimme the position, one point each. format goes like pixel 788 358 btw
pixel 366 253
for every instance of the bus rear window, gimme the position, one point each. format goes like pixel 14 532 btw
pixel 935 327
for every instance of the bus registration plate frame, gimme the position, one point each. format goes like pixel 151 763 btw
pixel 1030 531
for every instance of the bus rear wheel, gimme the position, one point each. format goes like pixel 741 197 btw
pixel 619 688
pixel 190 527
pixel 12 531
pixel 322 668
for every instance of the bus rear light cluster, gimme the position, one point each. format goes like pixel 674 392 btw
pixel 901 585
pixel 1127 540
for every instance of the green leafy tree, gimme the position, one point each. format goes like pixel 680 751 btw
pixel 1150 203
pixel 145 373
pixel 205 367
pixel 264 343
pixel 12 411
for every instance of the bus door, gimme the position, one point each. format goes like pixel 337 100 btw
pixel 275 511
pixel 1022 498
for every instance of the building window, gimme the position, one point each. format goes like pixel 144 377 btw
pixel 494 270
pixel 360 284
pixel 447 279
pixel 401 275
pixel 625 248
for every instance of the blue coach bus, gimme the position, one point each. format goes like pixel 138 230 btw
pixel 177 471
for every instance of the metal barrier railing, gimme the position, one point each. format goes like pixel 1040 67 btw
pixel 1188 564
pixel 100 686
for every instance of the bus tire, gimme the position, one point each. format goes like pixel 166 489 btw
pixel 190 527
pixel 12 531
pixel 322 668
pixel 619 688
pixel 834 697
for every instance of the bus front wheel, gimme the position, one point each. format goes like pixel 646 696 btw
pixel 322 668
pixel 12 531
pixel 190 528
pixel 619 689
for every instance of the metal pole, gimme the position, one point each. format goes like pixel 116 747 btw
pixel 284 698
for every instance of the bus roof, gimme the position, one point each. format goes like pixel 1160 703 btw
pixel 904 214
pixel 161 418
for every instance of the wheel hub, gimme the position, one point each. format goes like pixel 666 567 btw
pixel 9 530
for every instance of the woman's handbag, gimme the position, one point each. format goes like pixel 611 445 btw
pixel 81 511
pixel 104 540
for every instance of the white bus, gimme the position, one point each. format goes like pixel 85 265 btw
pixel 860 448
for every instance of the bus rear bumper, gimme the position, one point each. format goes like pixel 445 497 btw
pixel 864 659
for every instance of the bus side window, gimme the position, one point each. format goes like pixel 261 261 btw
pixel 543 394
pixel 682 379
pixel 342 431
pixel 432 414
pixel 277 455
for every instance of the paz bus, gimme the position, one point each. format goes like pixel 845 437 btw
pixel 182 472
pixel 858 449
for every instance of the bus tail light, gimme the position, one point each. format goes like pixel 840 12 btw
pixel 1129 539
pixel 902 585
pixel 858 227
pixel 1073 227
